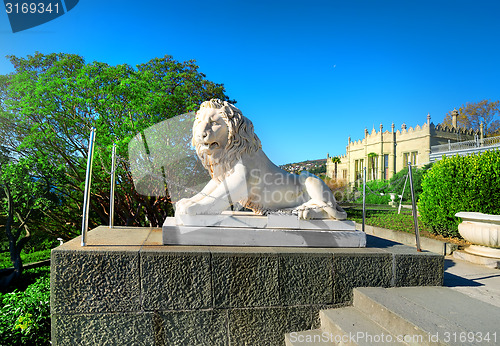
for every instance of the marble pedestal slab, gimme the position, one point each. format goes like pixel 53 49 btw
pixel 247 229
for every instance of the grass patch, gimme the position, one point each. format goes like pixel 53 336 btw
pixel 387 218
pixel 31 257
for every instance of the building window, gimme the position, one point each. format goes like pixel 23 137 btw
pixel 386 166
pixel 358 169
pixel 372 166
pixel 410 157
pixel 344 174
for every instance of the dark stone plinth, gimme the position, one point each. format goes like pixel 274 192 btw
pixel 127 288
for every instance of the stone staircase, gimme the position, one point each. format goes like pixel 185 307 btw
pixel 405 316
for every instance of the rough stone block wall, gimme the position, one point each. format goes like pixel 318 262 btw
pixel 125 288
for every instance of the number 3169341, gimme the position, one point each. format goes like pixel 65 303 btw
pixel 32 8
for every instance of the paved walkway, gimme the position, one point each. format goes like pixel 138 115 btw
pixel 474 280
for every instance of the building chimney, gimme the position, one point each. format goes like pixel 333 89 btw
pixel 454 118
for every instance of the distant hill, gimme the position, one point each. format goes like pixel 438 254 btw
pixel 312 166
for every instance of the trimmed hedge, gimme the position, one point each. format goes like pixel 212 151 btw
pixel 470 183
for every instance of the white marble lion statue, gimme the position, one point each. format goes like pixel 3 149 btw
pixel 232 153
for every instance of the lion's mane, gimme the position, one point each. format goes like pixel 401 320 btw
pixel 241 140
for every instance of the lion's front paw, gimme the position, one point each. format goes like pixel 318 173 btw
pixel 312 210
pixel 182 205
pixel 195 209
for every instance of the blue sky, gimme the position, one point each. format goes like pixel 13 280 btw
pixel 307 73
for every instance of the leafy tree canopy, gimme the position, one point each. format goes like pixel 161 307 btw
pixel 49 104
pixel 472 114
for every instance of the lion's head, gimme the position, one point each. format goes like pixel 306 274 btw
pixel 221 135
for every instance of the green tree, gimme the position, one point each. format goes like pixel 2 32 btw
pixel 472 114
pixel 4 82
pixel 53 100
pixel 335 160
pixel 28 195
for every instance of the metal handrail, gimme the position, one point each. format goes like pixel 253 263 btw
pixel 112 191
pixel 364 199
pixel 414 208
pixel 88 179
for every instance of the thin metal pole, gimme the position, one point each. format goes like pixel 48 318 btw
pixel 414 208
pixel 364 199
pixel 112 192
pixel 86 195
pixel 402 193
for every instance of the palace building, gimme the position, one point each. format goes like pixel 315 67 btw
pixel 386 152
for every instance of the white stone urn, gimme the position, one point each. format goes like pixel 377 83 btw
pixel 392 202
pixel 483 231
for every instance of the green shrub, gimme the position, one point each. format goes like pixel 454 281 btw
pixel 378 191
pixel 454 184
pixel 40 241
pixel 375 192
pixel 398 180
pixel 25 315
pixel 5 261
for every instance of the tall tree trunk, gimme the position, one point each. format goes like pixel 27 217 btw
pixel 15 246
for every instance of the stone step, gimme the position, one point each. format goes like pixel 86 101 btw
pixel 343 326
pixel 350 326
pixel 315 337
pixel 406 316
pixel 430 315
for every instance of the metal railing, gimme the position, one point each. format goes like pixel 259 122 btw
pixel 112 190
pixel 491 141
pixel 88 179
pixel 464 145
pixel 88 182
pixel 414 208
